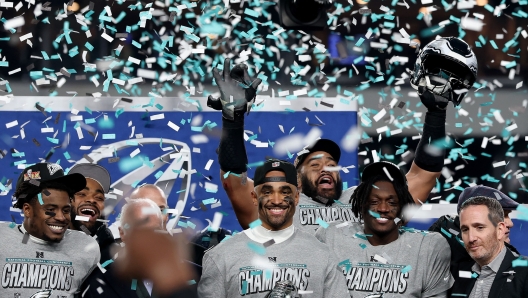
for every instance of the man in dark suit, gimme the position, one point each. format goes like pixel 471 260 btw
pixel 449 225
pixel 104 282
pixel 497 272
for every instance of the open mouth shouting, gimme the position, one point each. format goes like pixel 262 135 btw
pixel 326 182
pixel 88 210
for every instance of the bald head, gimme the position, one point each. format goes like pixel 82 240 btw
pixel 140 213
pixel 154 193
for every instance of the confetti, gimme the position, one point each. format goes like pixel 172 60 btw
pixel 268 243
pixel 255 224
pixel 322 223
pixel 25 238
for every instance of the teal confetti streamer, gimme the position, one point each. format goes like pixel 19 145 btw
pixel 109 136
pixel 133 285
pixel 406 269
pixel 449 235
pixel 40 199
pixel 106 263
pixel 244 287
pixel 255 224
pixel 374 214
pixel 257 248
pixel 209 201
pixel 450 197
pixel 322 223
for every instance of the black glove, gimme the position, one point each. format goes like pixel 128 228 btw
pixel 237 91
pixel 431 101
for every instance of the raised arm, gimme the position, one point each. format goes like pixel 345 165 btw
pixel 237 94
pixel 428 160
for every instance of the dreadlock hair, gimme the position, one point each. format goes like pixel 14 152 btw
pixel 26 192
pixel 360 196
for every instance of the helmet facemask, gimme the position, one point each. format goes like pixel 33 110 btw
pixel 445 78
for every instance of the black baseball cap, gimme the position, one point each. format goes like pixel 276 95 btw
pixel 95 172
pixel 52 172
pixel 377 168
pixel 483 191
pixel 324 145
pixel 275 165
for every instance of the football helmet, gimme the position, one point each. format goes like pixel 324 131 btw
pixel 447 67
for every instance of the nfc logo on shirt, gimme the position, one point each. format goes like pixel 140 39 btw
pixel 40 254
pixel 272 259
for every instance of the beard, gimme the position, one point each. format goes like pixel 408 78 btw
pixel 277 223
pixel 310 189
pixel 92 227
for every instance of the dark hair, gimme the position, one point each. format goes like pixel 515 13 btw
pixel 362 192
pixel 26 192
pixel 495 211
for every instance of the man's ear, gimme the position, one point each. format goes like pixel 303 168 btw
pixel 501 231
pixel 296 198
pixel 299 184
pixel 254 198
pixel 27 209
pixel 121 234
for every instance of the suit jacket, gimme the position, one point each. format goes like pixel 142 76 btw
pixel 501 287
pixel 460 258
pixel 107 285
pixel 114 287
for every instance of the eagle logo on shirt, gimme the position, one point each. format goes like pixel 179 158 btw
pixel 42 294
pixel 375 295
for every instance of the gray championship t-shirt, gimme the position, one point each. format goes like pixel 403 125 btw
pixel 44 269
pixel 415 265
pixel 309 211
pixel 241 267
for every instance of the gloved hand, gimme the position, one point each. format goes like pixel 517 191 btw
pixel 237 91
pixel 433 102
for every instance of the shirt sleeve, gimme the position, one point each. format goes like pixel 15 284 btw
pixel 212 282
pixel 438 277
pixel 334 284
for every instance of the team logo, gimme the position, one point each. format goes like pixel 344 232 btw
pixel 53 168
pixel 375 295
pixel 40 254
pixel 30 175
pixel 272 259
pixel 275 164
pixel 174 164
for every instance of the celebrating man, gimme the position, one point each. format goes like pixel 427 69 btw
pixel 275 254
pixel 88 206
pixel 322 197
pixel 41 257
pixel 378 257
